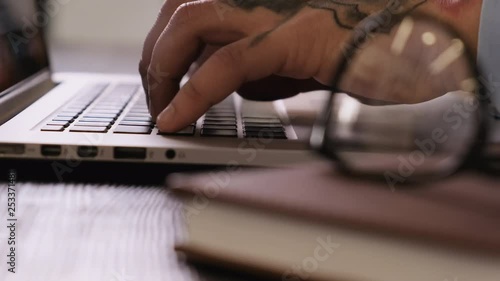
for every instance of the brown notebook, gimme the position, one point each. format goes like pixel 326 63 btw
pixel 312 223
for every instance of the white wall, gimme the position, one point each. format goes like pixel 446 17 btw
pixel 109 22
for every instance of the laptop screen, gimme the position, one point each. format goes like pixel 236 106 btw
pixel 22 48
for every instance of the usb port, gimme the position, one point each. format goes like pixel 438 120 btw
pixel 129 153
pixel 16 149
pixel 51 150
pixel 87 151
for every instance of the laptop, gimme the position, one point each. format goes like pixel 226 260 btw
pixel 97 117
pixel 103 118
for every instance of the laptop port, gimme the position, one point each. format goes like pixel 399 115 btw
pixel 170 154
pixel 87 151
pixel 129 153
pixel 14 149
pixel 51 150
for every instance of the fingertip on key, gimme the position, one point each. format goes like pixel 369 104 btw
pixel 166 119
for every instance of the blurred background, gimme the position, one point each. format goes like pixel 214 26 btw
pixel 99 35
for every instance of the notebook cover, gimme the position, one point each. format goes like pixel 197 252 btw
pixel 462 210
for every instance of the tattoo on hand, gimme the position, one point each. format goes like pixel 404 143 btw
pixel 347 13
pixel 277 6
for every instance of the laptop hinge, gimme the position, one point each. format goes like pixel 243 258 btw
pixel 23 96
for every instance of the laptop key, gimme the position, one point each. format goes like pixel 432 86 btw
pixel 110 106
pixel 104 111
pixel 102 120
pixel 219 133
pixel 58 123
pixel 140 106
pixel 50 128
pixel 93 124
pixel 221 111
pixel 82 129
pixel 136 123
pixel 188 131
pixel 262 125
pixel 219 122
pixel 264 129
pixel 100 115
pixel 67 115
pixel 261 120
pixel 133 130
pixel 136 111
pixel 66 119
pixel 130 114
pixel 143 119
pixel 219 127
pixel 220 115
pixel 265 135
pixel 210 119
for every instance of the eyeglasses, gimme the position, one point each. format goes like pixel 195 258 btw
pixel 408 103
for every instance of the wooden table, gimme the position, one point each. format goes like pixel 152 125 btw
pixel 73 232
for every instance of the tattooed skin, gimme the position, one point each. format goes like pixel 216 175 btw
pixel 347 13
pixel 278 6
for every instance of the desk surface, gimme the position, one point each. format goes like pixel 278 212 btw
pixel 89 232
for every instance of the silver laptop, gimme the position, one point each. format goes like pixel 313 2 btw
pixel 99 117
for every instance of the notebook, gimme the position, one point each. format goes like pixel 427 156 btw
pixel 312 223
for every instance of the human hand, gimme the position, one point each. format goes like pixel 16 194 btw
pixel 284 46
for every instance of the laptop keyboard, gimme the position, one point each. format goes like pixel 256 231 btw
pixel 97 110
pixel 220 120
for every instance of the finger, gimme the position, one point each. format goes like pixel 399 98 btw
pixel 164 16
pixel 162 20
pixel 192 26
pixel 220 76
